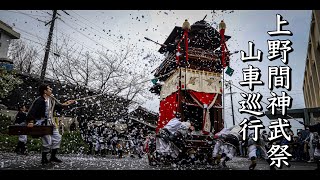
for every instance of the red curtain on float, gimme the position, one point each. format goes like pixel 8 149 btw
pixel 203 98
pixel 167 107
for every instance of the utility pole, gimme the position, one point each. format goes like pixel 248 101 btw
pixel 232 103
pixel 46 55
pixel 223 102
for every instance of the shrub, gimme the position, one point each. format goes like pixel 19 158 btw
pixel 8 82
pixel 5 122
pixel 34 144
pixel 8 143
pixel 71 143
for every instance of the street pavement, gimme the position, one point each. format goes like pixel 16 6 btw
pixel 11 161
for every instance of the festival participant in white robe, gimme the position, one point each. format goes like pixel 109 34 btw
pixel 229 148
pixel 316 129
pixel 163 144
pixel 226 146
pixel 252 149
pixel 216 153
pixel 98 139
pixel 316 154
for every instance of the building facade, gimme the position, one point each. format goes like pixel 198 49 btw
pixel 311 85
pixel 6 34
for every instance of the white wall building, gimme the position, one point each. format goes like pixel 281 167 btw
pixel 6 34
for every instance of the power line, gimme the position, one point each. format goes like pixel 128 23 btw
pixel 42 49
pixel 78 42
pixel 31 40
pixel 262 101
pixel 30 33
pixel 33 35
pixel 114 41
pixel 29 15
pixel 98 89
pixel 43 45
pixel 115 44
pixel 45 12
pixel 90 38
pixel 49 42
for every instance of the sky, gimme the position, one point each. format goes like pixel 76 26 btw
pixel 114 29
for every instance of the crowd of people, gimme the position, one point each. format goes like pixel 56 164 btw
pixel 228 144
pixel 105 140
pixel 102 140
pixel 302 147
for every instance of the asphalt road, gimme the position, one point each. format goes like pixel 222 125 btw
pixel 11 161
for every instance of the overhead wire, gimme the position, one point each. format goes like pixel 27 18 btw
pixel 265 103
pixel 97 31
pixel 90 38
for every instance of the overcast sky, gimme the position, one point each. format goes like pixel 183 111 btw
pixel 113 29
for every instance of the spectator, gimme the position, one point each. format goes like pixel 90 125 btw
pixel 21 120
pixel 119 148
pixel 316 145
pixel 301 147
pixel 295 148
pixel 316 128
pixel 308 143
